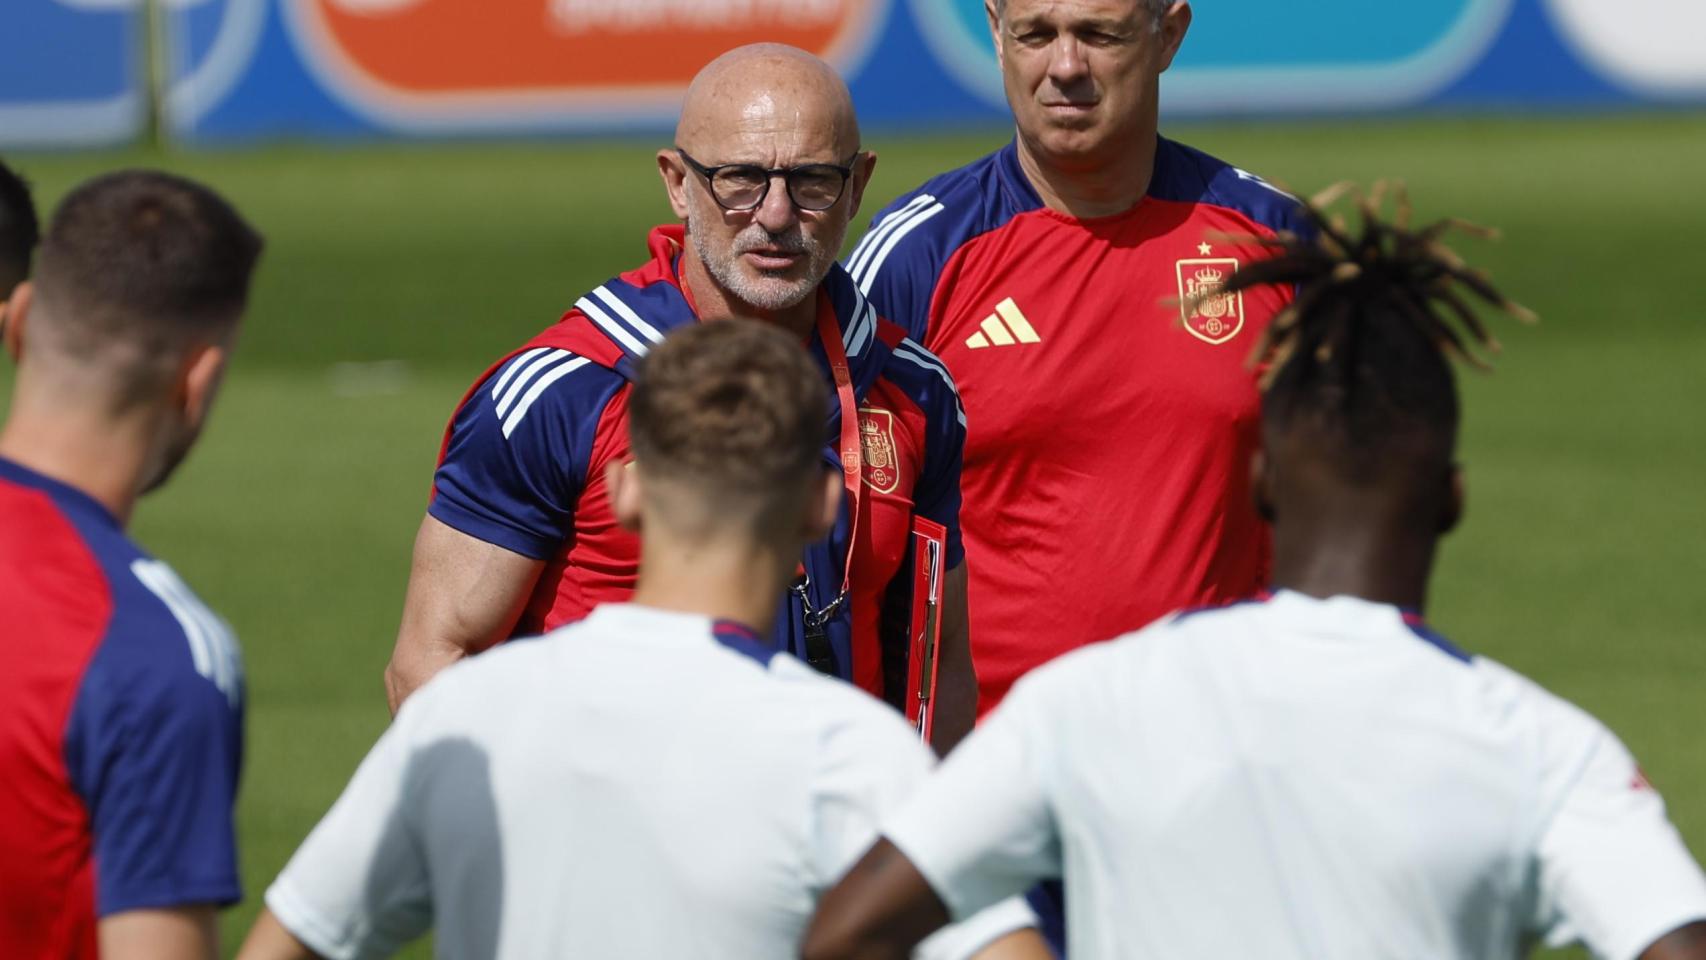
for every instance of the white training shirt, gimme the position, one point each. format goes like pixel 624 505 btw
pixel 640 784
pixel 1303 778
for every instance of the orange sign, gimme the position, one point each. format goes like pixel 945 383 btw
pixel 420 51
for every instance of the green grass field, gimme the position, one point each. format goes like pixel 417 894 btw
pixel 1583 562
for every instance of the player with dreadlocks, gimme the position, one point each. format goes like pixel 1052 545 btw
pixel 1315 774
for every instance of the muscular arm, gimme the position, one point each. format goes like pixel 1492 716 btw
pixel 181 933
pixel 956 676
pixel 464 595
pixel 879 911
pixel 1684 943
pixel 269 940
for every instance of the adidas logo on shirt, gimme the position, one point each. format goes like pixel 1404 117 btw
pixel 1004 328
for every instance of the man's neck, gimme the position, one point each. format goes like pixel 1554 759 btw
pixel 739 582
pixel 1096 189
pixel 103 458
pixel 1382 563
pixel 711 302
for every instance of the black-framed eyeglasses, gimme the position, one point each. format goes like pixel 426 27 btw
pixel 743 186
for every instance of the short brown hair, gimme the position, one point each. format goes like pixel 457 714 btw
pixel 734 410
pixel 145 258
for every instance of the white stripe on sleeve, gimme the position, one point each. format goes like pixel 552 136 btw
pixel 611 327
pixel 516 364
pixel 878 233
pixel 627 313
pixel 539 386
pixel 533 369
pixel 869 272
pixel 911 352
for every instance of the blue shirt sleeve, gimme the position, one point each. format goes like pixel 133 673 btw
pixel 896 266
pixel 519 451
pixel 155 748
pixel 937 494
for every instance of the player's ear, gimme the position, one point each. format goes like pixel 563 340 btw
pixel 823 505
pixel 622 483
pixel 1175 23
pixel 14 313
pixel 1456 496
pixel 199 376
pixel 1262 486
pixel 673 170
pixel 864 165
pixel 995 32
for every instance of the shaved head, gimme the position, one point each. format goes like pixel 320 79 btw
pixel 770 109
pixel 767 88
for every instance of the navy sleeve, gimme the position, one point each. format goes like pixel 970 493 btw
pixel 155 748
pixel 519 451
pixel 897 267
pixel 937 495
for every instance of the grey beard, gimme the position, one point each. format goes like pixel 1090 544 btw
pixel 760 295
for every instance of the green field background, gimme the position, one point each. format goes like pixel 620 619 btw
pixel 395 274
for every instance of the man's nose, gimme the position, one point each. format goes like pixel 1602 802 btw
pixel 1067 65
pixel 777 212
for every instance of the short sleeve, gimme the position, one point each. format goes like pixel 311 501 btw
pixel 895 268
pixel 982 829
pixel 1614 873
pixel 865 765
pixel 937 494
pixel 358 886
pixel 155 748
pixel 519 448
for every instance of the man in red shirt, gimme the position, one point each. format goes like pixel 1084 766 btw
pixel 1106 471
pixel 121 693
pixel 766 173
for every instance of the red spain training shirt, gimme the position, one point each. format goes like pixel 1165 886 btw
pixel 1106 476
pixel 524 457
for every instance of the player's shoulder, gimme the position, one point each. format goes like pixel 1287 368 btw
pixel 145 629
pixel 921 376
pixel 928 223
pixel 1160 648
pixel 1184 174
pixel 165 642
pixel 1506 692
pixel 546 379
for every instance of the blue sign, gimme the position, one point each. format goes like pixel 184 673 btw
pixel 239 70
pixel 71 72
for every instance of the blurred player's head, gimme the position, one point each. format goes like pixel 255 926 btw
pixel 138 290
pixel 726 426
pixel 767 107
pixel 1083 76
pixel 19 232
pixel 1360 413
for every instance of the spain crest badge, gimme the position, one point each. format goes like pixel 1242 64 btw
pixel 1210 316
pixel 876 440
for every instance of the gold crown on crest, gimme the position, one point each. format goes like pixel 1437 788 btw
pixel 1209 276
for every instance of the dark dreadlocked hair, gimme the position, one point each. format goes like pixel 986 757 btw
pixel 1362 355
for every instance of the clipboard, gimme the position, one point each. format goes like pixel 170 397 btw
pixel 929 552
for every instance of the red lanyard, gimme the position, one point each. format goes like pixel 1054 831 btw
pixel 852 457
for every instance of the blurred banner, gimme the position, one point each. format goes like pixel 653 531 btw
pixel 71 72
pixel 243 69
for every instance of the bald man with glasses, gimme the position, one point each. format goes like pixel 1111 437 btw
pixel 765 174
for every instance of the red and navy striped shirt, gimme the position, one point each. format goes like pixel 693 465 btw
pixel 523 460
pixel 121 727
